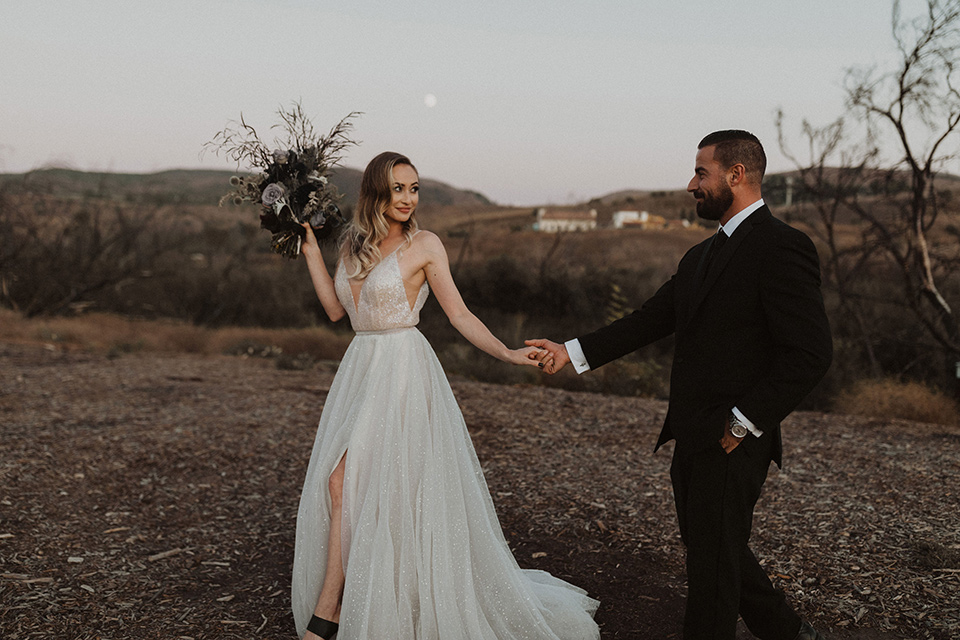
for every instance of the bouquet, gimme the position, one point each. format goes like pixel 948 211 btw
pixel 292 181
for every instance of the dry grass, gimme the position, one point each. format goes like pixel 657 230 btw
pixel 113 334
pixel 893 399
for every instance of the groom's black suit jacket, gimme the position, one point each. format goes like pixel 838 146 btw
pixel 752 333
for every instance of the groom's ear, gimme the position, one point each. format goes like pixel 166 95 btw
pixel 736 175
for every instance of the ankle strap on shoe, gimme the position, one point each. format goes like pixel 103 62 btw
pixel 323 628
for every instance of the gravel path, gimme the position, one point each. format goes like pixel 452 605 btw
pixel 152 496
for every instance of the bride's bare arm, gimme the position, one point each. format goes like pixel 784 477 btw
pixel 437 269
pixel 322 282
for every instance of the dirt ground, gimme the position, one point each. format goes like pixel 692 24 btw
pixel 155 496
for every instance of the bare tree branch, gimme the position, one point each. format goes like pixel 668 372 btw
pixel 902 124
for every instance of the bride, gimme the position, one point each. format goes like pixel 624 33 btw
pixel 397 536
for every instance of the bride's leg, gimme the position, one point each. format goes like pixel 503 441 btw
pixel 328 604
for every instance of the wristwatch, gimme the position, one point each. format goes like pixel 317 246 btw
pixel 737 428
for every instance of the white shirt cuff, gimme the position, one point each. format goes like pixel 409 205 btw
pixel 752 428
pixel 577 359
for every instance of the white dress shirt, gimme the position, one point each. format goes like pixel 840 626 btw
pixel 579 361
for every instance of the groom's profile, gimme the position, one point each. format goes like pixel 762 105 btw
pixel 751 341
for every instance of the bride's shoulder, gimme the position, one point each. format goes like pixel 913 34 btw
pixel 428 241
pixel 428 249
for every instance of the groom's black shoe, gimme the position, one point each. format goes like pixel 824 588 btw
pixel 323 628
pixel 807 632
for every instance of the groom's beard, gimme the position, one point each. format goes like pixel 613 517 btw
pixel 714 205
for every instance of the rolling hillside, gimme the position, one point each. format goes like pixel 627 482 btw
pixel 199 187
pixel 442 206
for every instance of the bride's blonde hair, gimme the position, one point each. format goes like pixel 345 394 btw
pixel 369 226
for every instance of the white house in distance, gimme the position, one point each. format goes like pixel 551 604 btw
pixel 623 218
pixel 556 220
pixel 638 219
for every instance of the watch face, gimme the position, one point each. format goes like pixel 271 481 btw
pixel 738 430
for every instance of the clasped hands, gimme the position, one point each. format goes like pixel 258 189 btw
pixel 550 356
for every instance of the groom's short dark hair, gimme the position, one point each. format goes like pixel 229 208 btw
pixel 734 146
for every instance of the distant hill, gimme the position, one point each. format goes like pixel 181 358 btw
pixel 457 207
pixel 433 193
pixel 672 205
pixel 680 204
pixel 201 187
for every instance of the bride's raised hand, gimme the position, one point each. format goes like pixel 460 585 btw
pixel 310 240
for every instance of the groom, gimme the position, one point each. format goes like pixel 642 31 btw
pixel 752 340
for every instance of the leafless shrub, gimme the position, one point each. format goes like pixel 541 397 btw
pixel 878 166
pixel 59 254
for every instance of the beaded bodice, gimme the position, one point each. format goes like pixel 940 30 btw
pixel 382 303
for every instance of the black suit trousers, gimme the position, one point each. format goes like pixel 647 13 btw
pixel 715 495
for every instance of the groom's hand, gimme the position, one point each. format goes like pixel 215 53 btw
pixel 729 442
pixel 552 356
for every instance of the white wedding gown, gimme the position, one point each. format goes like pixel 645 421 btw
pixel 422 548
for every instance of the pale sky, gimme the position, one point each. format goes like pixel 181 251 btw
pixel 528 102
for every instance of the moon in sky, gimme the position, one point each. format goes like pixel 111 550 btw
pixel 430 100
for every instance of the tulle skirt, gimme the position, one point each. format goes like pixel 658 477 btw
pixel 422 549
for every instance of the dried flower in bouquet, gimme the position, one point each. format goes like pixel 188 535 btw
pixel 291 180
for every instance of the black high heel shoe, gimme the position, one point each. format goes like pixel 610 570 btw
pixel 323 628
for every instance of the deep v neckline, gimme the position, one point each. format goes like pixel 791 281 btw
pixel 357 295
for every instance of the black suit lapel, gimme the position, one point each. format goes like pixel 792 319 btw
pixel 702 262
pixel 720 261
pixel 689 277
